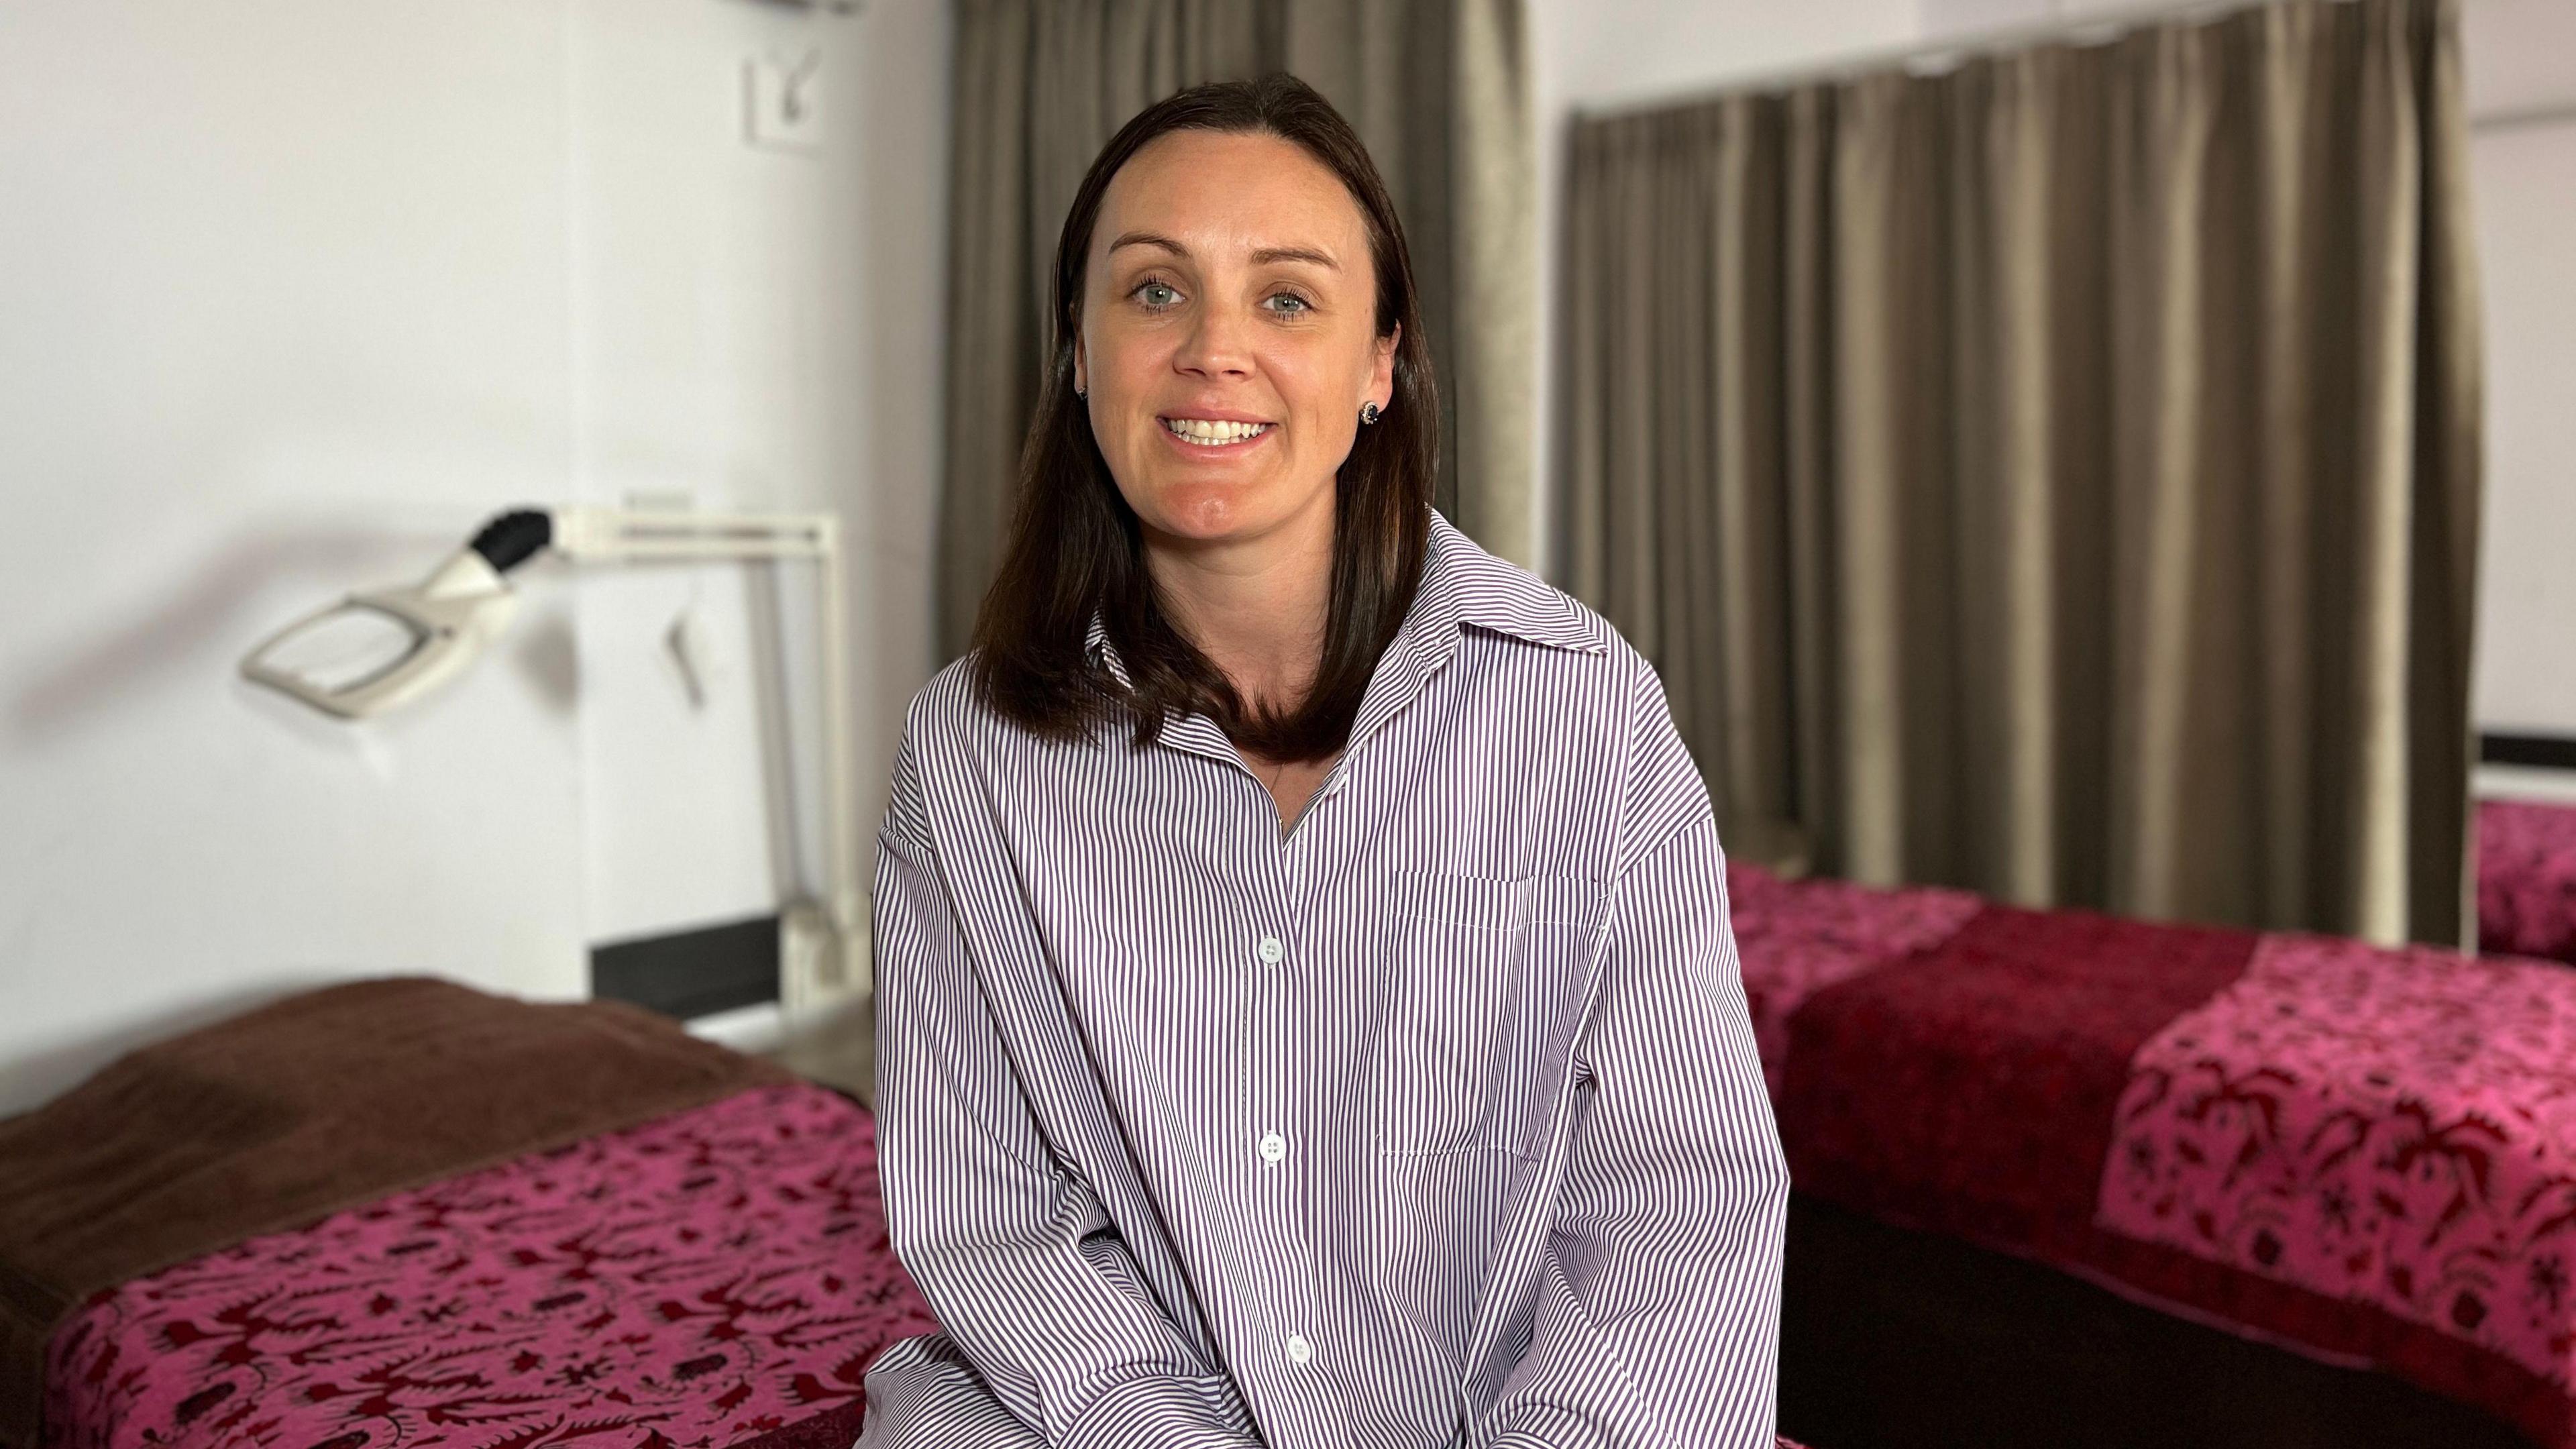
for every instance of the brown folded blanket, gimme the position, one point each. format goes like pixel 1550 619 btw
pixel 282 1116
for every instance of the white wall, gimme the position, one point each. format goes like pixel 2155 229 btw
pixel 2519 55
pixel 2521 58
pixel 759 329
pixel 293 295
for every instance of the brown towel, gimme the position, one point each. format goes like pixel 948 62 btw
pixel 280 1117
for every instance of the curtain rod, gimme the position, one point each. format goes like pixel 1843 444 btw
pixel 2095 27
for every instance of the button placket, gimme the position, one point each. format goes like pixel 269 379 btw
pixel 1277 1075
pixel 1270 951
pixel 1271 1147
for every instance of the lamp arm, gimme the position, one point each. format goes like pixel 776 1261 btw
pixel 586 533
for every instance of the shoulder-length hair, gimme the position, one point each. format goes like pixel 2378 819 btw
pixel 1076 548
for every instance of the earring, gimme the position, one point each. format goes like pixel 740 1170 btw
pixel 1079 393
pixel 1369 413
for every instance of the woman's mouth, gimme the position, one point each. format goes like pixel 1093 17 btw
pixel 1214 433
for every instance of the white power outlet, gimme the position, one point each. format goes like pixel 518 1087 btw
pixel 782 97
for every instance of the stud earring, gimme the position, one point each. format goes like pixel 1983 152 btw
pixel 1369 413
pixel 1079 393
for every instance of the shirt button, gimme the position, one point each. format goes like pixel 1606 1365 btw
pixel 1273 1147
pixel 1271 950
pixel 1299 1350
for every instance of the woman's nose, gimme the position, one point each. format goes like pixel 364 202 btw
pixel 1218 343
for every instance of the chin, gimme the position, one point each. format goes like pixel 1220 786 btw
pixel 1209 512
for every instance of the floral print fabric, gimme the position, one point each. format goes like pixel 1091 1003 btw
pixel 709 1279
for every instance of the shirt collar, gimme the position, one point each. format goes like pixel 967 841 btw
pixel 1095 642
pixel 1461 585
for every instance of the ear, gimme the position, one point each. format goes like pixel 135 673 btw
pixel 1081 377
pixel 1381 384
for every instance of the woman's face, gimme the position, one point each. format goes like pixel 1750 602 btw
pixel 1228 336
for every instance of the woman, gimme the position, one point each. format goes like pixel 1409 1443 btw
pixel 1307 1014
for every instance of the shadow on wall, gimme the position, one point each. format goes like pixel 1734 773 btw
pixel 30 1081
pixel 222 610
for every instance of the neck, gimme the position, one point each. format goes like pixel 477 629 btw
pixel 1256 607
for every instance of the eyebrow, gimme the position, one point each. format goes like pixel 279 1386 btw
pixel 1263 257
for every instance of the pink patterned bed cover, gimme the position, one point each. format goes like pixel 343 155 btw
pixel 715 1278
pixel 2395 1129
pixel 2368 1154
pixel 2527 879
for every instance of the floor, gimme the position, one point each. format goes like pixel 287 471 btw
pixel 1894 1340
pixel 838 1050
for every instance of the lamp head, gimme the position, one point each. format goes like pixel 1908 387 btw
pixel 381 649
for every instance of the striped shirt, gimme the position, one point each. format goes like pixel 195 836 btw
pixel 1434 1121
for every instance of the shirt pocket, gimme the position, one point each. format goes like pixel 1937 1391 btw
pixel 1485 981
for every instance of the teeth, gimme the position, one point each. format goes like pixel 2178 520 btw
pixel 1201 430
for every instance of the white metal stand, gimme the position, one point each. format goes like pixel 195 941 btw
pixel 823 945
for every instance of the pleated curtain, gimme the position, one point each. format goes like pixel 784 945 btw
pixel 2057 476
pixel 1438 91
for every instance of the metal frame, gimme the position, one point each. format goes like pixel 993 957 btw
pixel 823 945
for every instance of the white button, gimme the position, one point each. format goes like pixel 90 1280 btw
pixel 1273 1147
pixel 1271 950
pixel 1299 1349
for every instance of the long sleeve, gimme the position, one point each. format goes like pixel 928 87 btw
pixel 1658 1319
pixel 1026 1272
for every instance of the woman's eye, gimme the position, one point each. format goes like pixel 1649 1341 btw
pixel 1295 303
pixel 1157 294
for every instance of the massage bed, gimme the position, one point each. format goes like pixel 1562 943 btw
pixel 717 1277
pixel 2365 1156
pixel 405 1213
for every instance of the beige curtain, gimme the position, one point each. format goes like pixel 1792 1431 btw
pixel 2058 476
pixel 1438 89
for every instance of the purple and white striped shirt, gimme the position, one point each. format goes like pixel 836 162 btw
pixel 1435 1123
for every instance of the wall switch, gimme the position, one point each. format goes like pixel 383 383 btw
pixel 783 100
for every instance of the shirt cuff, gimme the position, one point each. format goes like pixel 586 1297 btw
pixel 1157 1413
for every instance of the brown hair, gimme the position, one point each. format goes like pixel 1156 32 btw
pixel 1075 545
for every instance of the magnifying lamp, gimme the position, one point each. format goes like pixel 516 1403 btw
pixel 381 649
